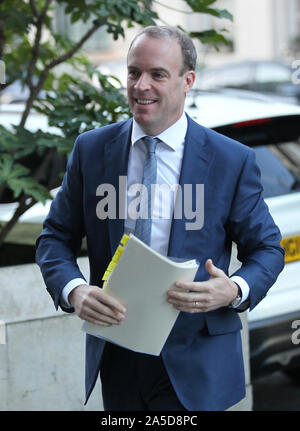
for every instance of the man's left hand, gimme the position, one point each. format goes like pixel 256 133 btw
pixel 202 296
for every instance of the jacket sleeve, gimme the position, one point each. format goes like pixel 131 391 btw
pixel 257 237
pixel 59 243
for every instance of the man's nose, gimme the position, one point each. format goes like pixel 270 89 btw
pixel 143 83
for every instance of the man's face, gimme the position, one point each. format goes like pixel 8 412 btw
pixel 156 91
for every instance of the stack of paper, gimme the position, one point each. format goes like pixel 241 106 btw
pixel 139 277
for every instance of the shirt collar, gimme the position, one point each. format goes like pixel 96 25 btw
pixel 173 136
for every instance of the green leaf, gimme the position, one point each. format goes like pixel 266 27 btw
pixel 72 103
pixel 16 177
pixel 203 6
pixel 223 13
pixel 9 170
pixel 211 37
pixel 16 20
pixel 31 188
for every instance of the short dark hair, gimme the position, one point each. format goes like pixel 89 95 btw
pixel 188 50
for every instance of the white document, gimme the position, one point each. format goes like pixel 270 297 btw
pixel 140 280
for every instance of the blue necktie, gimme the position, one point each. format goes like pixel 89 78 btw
pixel 144 223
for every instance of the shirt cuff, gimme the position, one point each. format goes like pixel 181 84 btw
pixel 243 286
pixel 68 289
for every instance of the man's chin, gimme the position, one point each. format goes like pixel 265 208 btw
pixel 143 120
pixel 148 125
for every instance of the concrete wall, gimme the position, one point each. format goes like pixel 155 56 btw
pixel 42 355
pixel 42 361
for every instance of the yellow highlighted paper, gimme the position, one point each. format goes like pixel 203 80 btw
pixel 115 259
pixel 140 280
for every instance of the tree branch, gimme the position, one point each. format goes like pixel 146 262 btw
pixel 33 8
pixel 44 165
pixel 21 209
pixel 36 46
pixel 34 91
pixel 2 37
pixel 75 47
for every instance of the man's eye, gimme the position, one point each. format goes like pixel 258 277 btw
pixel 133 73
pixel 158 75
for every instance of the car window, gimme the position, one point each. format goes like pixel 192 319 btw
pixel 272 73
pixel 237 76
pixel 280 168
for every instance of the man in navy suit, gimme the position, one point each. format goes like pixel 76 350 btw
pixel 201 364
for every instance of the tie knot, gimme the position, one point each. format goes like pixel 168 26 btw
pixel 150 143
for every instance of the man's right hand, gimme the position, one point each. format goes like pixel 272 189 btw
pixel 96 306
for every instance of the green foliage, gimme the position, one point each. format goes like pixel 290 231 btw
pixel 78 105
pixel 112 13
pixel 18 179
pixel 204 6
pixel 14 146
pixel 32 49
pixel 210 37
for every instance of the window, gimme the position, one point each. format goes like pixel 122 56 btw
pixel 280 168
pixel 272 72
pixel 235 76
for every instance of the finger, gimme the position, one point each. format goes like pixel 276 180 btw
pixel 213 270
pixel 92 303
pixel 192 307
pixel 183 305
pixel 103 303
pixel 101 315
pixel 184 297
pixel 99 319
pixel 188 286
pixel 101 309
pixel 188 301
pixel 109 300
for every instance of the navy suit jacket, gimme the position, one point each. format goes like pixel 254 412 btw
pixel 203 353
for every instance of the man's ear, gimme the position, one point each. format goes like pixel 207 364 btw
pixel 189 78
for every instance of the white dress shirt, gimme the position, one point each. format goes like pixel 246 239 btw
pixel 169 155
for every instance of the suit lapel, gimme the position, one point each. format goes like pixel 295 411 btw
pixel 116 164
pixel 197 159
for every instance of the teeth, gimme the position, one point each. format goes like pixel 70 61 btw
pixel 145 102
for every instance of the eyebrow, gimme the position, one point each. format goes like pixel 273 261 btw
pixel 153 69
pixel 160 69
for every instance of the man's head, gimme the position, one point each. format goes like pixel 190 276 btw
pixel 161 63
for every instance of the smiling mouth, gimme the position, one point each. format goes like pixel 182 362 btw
pixel 145 101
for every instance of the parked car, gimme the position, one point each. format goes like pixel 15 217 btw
pixel 275 78
pixel 273 131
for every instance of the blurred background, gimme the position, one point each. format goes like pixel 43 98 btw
pixel 263 44
pixel 260 59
